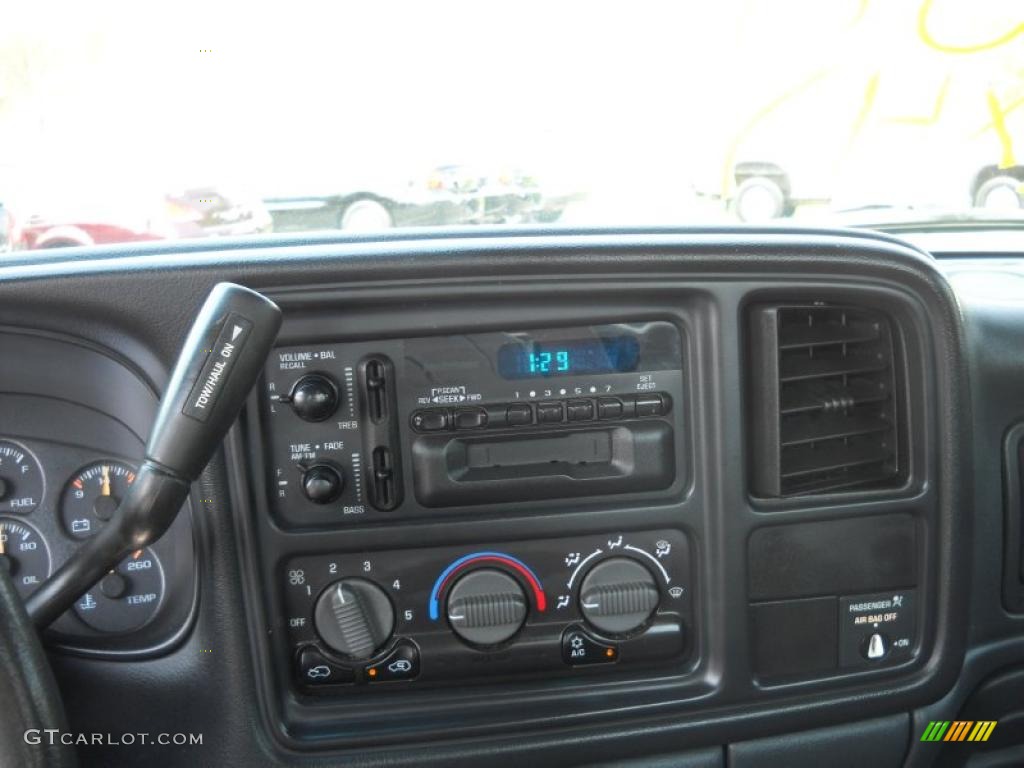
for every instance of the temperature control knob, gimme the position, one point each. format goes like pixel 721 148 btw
pixel 323 483
pixel 486 607
pixel 354 617
pixel 618 596
pixel 314 397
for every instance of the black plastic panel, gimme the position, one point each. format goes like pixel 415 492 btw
pixel 848 556
pixel 1013 558
pixel 880 742
pixel 356 292
pixel 795 638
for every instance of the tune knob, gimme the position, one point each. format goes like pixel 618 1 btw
pixel 314 397
pixel 486 607
pixel 323 483
pixel 354 617
pixel 618 596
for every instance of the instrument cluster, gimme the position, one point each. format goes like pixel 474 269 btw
pixel 55 496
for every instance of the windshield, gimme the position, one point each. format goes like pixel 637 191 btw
pixel 119 123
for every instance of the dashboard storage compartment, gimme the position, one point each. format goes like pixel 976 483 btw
pixel 834 594
pixel 850 556
pixel 794 637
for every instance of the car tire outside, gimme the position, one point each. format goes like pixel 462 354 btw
pixel 365 215
pixel 759 198
pixel 1001 193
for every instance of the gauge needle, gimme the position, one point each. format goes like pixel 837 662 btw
pixel 3 540
pixel 105 486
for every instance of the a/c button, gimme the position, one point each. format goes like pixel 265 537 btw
pixel 578 648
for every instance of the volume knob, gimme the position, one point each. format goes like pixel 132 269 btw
pixel 618 596
pixel 354 617
pixel 314 397
pixel 486 607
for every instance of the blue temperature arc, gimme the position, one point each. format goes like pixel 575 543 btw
pixel 500 557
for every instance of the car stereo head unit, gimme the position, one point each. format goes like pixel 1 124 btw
pixel 469 421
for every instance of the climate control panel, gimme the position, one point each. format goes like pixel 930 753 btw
pixel 541 607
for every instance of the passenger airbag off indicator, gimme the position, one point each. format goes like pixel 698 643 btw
pixel 876 629
pixel 217 368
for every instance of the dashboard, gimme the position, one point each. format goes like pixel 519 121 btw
pixel 74 422
pixel 677 497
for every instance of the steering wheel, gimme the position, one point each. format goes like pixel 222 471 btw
pixel 30 703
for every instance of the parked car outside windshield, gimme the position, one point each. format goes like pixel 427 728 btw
pixel 365 117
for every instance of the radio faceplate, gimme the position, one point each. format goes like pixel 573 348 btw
pixel 470 422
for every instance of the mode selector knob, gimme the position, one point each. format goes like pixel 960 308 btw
pixel 323 483
pixel 354 617
pixel 618 596
pixel 486 607
pixel 314 397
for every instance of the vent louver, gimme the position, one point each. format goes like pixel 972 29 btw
pixel 825 405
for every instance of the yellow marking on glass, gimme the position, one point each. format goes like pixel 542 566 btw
pixel 1006 110
pixel 933 118
pixel 999 124
pixel 866 105
pixel 861 10
pixel 943 47
pixel 755 120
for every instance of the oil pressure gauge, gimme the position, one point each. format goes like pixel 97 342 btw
pixel 25 555
pixel 92 496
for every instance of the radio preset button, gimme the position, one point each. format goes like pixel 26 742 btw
pixel 470 418
pixel 549 412
pixel 609 408
pixel 580 410
pixel 519 415
pixel 431 420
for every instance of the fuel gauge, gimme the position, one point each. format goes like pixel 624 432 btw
pixel 92 496
pixel 21 479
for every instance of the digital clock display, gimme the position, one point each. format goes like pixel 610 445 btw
pixel 534 359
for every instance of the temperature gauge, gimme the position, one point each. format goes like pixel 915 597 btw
pixel 93 495
pixel 21 479
pixel 25 555
pixel 127 597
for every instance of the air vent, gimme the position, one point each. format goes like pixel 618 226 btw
pixel 825 405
